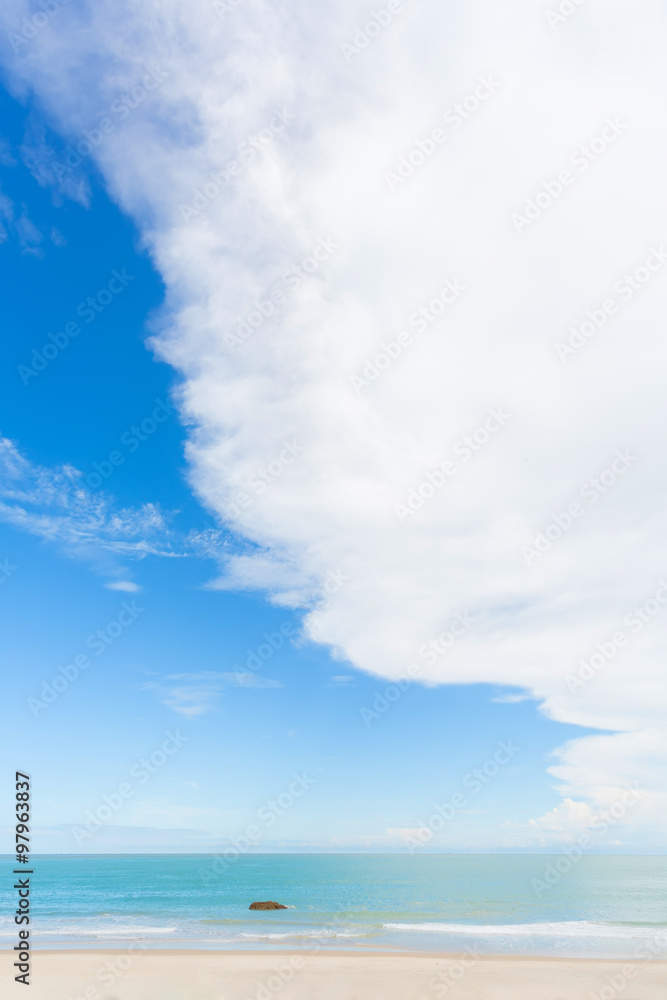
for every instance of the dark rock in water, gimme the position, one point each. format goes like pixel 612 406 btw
pixel 269 905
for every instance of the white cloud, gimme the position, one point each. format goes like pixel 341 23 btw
pixel 246 679
pixel 54 505
pixel 29 235
pixel 6 214
pixel 125 585
pixel 38 155
pixel 195 694
pixel 198 692
pixel 331 514
pixel 511 699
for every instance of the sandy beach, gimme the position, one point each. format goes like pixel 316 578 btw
pixel 127 974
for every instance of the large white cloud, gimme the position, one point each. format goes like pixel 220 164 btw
pixel 315 468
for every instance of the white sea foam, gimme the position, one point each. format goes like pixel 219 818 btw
pixel 113 931
pixel 566 928
pixel 323 932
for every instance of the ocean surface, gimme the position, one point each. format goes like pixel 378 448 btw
pixel 603 906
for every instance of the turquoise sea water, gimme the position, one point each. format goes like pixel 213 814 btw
pixel 603 906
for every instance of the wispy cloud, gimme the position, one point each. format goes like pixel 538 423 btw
pixel 246 679
pixel 25 231
pixel 6 216
pixel 29 236
pixel 198 692
pixel 38 153
pixel 57 237
pixel 195 694
pixel 54 505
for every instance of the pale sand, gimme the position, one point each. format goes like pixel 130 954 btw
pixel 221 975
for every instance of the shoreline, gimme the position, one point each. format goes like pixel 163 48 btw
pixel 336 953
pixel 216 948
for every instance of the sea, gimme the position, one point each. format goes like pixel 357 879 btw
pixel 602 906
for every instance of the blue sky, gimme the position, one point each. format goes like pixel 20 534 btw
pixel 173 492
pixel 243 749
